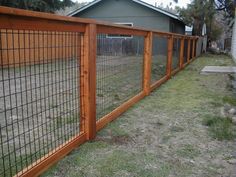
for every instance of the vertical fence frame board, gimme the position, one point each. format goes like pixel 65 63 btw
pixel 81 85
pixel 147 63
pixel 181 55
pixel 169 56
pixel 188 55
pixel 88 80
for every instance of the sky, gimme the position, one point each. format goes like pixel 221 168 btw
pixel 181 3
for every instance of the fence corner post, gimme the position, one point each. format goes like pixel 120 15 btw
pixel 88 81
pixel 169 56
pixel 181 57
pixel 147 63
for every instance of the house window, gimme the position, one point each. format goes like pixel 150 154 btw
pixel 121 35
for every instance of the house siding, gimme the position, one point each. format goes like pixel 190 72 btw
pixel 127 11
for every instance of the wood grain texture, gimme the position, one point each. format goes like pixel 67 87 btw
pixel 169 56
pixel 147 63
pixel 181 53
pixel 88 83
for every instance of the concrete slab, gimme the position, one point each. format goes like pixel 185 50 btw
pixel 219 69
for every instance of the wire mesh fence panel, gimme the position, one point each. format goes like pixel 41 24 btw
pixel 119 70
pixel 39 94
pixel 176 54
pixel 185 51
pixel 159 58
pixel 195 48
pixel 191 49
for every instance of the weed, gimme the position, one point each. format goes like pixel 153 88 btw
pixel 220 128
pixel 231 77
pixel 117 97
pixel 230 100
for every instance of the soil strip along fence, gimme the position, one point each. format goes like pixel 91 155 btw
pixel 63 79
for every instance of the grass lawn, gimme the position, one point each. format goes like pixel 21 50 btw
pixel 166 134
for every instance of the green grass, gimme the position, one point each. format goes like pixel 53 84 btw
pixel 220 128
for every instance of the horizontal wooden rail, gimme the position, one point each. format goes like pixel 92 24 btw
pixel 27 23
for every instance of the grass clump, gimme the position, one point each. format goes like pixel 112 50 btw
pixel 229 100
pixel 188 151
pixel 220 128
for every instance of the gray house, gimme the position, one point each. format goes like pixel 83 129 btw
pixel 132 13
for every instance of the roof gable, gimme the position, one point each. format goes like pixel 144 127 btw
pixel 171 15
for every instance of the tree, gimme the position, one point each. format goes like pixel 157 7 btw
pixel 69 9
pixel 203 11
pixel 38 5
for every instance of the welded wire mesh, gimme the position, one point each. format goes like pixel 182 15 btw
pixel 185 51
pixel 119 71
pixel 195 48
pixel 159 58
pixel 39 94
pixel 191 49
pixel 176 54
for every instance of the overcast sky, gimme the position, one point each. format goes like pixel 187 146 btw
pixel 181 3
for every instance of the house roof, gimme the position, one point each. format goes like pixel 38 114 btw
pixel 174 16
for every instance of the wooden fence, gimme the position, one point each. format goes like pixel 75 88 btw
pixel 56 59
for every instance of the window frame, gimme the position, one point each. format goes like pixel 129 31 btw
pixel 116 36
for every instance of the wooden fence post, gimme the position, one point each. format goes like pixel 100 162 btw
pixel 169 56
pixel 147 63
pixel 188 56
pixel 88 81
pixel 181 55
